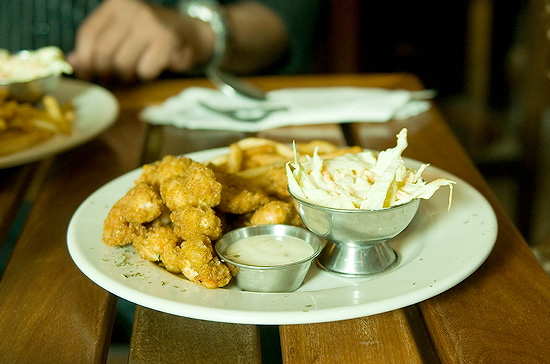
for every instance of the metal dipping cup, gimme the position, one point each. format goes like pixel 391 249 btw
pixel 357 240
pixel 31 91
pixel 275 278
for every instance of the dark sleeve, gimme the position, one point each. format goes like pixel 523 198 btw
pixel 304 19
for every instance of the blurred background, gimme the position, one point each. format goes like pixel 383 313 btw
pixel 488 62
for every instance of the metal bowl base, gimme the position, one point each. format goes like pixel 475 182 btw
pixel 357 261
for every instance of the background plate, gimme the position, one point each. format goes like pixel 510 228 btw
pixel 438 250
pixel 96 110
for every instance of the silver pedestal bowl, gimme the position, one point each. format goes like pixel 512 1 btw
pixel 357 240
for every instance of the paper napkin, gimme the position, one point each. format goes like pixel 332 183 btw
pixel 295 106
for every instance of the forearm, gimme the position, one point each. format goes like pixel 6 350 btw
pixel 257 38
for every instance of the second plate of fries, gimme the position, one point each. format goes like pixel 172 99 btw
pixel 61 121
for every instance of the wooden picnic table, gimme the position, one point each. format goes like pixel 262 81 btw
pixel 50 312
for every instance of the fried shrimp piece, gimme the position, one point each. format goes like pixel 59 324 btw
pixel 274 182
pixel 155 241
pixel 235 201
pixel 201 181
pixel 175 193
pixel 190 221
pixel 198 186
pixel 194 258
pixel 276 212
pixel 117 230
pixel 141 204
pixel 199 265
pixel 239 195
pixel 214 274
pixel 154 173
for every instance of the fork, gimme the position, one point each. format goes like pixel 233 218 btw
pixel 251 114
pixel 233 85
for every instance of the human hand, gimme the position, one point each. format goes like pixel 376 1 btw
pixel 131 39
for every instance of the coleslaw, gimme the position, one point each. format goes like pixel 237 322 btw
pixel 362 180
pixel 30 65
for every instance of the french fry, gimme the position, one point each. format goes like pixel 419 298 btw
pixel 219 161
pixel 52 107
pixel 235 159
pixel 338 152
pixel 252 157
pixel 255 160
pixel 258 171
pixel 249 143
pixel 24 125
pixel 308 148
pixel 13 141
pixel 64 125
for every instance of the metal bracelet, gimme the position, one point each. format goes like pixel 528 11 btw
pixel 209 12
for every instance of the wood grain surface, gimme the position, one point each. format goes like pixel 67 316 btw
pixel 50 312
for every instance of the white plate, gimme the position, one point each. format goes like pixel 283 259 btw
pixel 96 110
pixel 437 251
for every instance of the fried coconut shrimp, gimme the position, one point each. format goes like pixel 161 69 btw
pixel 117 230
pixel 274 182
pixel 154 241
pixel 191 221
pixel 179 208
pixel 154 173
pixel 194 258
pixel 239 195
pixel 197 186
pixel 168 216
pixel 141 204
pixel 198 264
pixel 276 212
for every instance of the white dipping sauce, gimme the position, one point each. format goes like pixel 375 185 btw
pixel 268 250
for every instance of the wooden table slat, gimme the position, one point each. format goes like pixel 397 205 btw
pixel 13 185
pixel 58 314
pixel 41 287
pixel 163 338
pixel 382 338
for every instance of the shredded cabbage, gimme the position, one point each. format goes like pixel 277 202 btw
pixel 29 65
pixel 362 180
